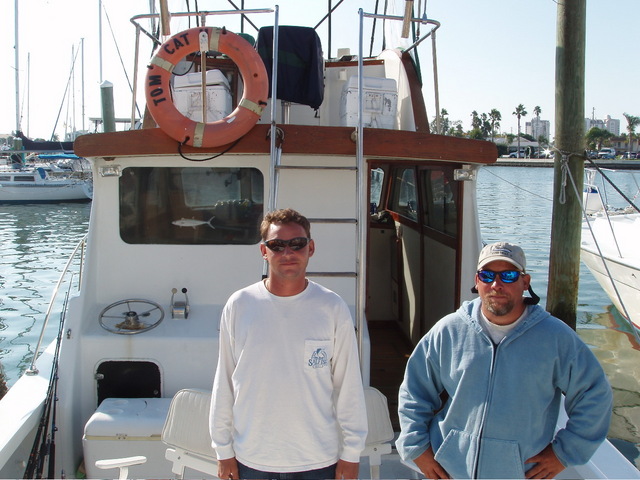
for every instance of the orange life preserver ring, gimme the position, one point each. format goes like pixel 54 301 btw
pixel 221 132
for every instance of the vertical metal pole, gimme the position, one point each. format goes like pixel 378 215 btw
pixel 73 90
pixel 100 37
pixel 274 149
pixel 83 105
pixel 136 55
pixel 17 62
pixel 361 204
pixel 329 27
pixel 242 17
pixel 28 91
pixel 274 88
pixel 435 81
pixel 204 48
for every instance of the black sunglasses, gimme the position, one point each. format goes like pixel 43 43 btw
pixel 277 245
pixel 508 276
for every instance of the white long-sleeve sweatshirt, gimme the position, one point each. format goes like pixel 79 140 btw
pixel 287 394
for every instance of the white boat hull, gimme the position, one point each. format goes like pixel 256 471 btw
pixel 62 192
pixel 618 269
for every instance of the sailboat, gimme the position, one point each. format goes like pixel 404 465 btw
pixel 342 137
pixel 26 177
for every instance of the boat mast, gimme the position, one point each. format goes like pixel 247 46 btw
pixel 17 73
pixel 100 39
pixel 566 220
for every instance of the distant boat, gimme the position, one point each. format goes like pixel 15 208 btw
pixel 610 251
pixel 46 179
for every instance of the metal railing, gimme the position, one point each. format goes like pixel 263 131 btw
pixel 77 254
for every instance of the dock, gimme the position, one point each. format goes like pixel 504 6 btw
pixel 613 164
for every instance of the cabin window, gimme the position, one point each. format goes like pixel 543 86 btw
pixel 440 210
pixel 405 200
pixel 377 181
pixel 191 206
pixel 24 178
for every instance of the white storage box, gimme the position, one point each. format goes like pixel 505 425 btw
pixel 126 427
pixel 380 102
pixel 187 95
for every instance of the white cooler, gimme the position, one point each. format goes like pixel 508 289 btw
pixel 187 95
pixel 126 427
pixel 380 102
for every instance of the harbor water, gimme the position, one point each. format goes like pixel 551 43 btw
pixel 515 205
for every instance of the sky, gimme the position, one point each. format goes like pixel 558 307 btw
pixel 491 54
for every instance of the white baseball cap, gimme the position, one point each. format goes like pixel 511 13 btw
pixel 502 251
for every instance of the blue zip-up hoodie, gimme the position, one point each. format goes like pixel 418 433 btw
pixel 502 401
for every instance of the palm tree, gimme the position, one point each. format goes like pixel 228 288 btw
pixel 632 123
pixel 476 123
pixel 519 112
pixel 595 137
pixel 494 119
pixel 537 111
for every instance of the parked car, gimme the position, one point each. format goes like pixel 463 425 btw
pixel 544 154
pixel 517 155
pixel 607 153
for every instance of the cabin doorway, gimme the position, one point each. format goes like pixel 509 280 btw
pixel 413 262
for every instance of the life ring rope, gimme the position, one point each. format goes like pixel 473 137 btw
pixel 204 134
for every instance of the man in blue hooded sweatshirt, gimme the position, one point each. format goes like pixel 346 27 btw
pixel 482 389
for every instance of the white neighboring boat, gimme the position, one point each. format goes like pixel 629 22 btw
pixel 168 217
pixel 44 183
pixel 609 248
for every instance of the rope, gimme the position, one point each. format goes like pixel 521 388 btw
pixel 517 186
pixel 208 158
pixel 566 172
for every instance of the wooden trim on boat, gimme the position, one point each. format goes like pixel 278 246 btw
pixel 298 139
pixel 417 99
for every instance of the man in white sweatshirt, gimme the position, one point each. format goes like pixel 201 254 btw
pixel 288 400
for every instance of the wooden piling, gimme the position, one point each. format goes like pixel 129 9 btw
pixel 566 223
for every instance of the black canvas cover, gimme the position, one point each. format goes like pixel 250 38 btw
pixel 300 66
pixel 43 146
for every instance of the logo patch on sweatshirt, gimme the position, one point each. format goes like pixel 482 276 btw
pixel 319 358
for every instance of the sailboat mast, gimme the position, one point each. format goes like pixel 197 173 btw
pixel 83 105
pixel 17 73
pixel 566 220
pixel 100 38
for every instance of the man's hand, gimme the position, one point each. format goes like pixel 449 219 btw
pixel 428 465
pixel 347 470
pixel 546 465
pixel 228 469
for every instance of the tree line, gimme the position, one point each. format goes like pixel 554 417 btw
pixel 596 137
pixel 486 126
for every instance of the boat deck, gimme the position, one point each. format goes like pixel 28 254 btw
pixel 390 350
